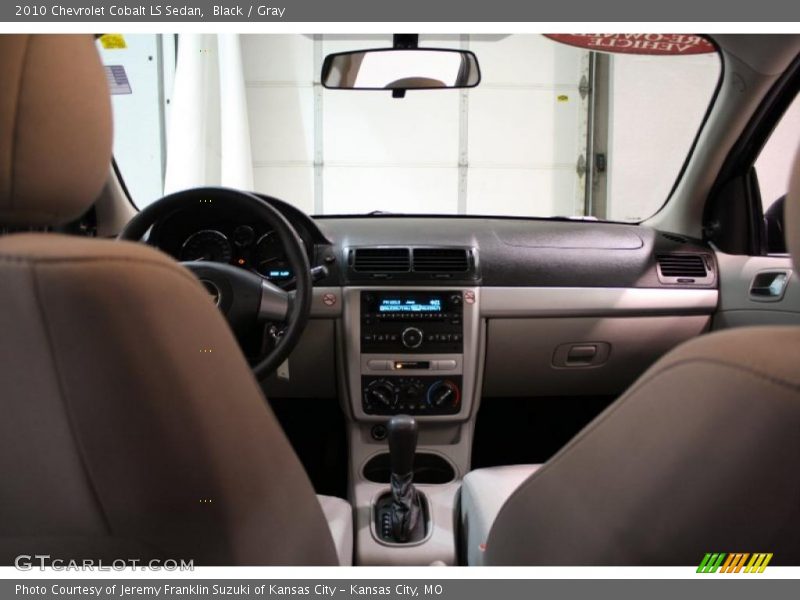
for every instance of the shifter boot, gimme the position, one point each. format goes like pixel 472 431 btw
pixel 406 510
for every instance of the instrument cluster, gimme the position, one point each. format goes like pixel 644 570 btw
pixel 221 237
pixel 243 246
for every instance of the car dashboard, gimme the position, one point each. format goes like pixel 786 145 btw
pixel 435 316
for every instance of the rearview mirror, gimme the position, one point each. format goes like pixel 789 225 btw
pixel 401 69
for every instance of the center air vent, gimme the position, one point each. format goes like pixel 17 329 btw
pixel 682 268
pixel 412 265
pixel 441 260
pixel 381 260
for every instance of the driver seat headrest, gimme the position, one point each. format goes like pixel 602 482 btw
pixel 55 128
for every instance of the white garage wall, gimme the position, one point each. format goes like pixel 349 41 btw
pixel 507 147
pixel 389 154
pixel 279 77
pixel 657 106
pixel 774 164
pixel 519 141
pixel 526 128
pixel 138 117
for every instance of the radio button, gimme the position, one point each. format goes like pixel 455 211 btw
pixel 444 365
pixel 379 365
pixel 412 337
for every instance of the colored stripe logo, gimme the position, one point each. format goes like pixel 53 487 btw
pixel 737 562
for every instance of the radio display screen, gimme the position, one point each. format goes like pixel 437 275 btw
pixel 401 304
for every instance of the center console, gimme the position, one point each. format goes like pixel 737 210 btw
pixel 399 323
pixel 410 351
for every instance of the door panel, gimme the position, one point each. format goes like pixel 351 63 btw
pixel 739 307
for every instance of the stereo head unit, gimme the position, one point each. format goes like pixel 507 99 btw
pixel 412 322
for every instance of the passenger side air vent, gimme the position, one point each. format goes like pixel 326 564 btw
pixel 380 260
pixel 683 268
pixel 441 260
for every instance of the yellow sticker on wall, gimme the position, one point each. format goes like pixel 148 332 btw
pixel 563 98
pixel 113 41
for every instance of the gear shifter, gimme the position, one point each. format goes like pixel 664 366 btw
pixel 406 508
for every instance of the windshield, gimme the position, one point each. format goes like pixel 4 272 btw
pixel 551 130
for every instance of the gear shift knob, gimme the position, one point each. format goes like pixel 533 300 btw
pixel 402 435
pixel 405 516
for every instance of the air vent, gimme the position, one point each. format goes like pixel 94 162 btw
pixel 381 260
pixel 682 267
pixel 441 260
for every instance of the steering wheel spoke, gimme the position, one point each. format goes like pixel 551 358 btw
pixel 275 303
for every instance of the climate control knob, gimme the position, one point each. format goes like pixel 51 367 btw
pixel 412 337
pixel 381 393
pixel 444 393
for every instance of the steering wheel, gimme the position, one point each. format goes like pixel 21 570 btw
pixel 245 298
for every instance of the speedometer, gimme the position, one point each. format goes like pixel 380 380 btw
pixel 207 244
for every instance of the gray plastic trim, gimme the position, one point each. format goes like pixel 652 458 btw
pixel 326 302
pixel 525 357
pixel 585 302
pixel 737 305
pixel 367 367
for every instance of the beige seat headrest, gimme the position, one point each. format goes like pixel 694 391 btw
pixel 792 214
pixel 55 128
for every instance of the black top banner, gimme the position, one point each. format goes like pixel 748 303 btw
pixel 210 11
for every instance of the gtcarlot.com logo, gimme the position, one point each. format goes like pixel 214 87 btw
pixel 737 562
pixel 28 562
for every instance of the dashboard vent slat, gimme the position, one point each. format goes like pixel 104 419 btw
pixel 411 264
pixel 441 260
pixel 381 260
pixel 690 266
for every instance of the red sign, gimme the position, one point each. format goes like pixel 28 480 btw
pixel 329 299
pixel 659 44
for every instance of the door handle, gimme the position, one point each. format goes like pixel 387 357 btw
pixel 581 354
pixel 769 286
